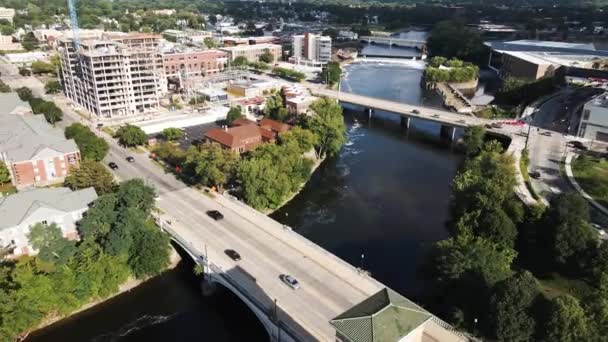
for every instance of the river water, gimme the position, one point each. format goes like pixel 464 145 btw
pixel 371 50
pixel 384 196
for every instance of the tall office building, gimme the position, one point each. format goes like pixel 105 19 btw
pixel 118 76
pixel 311 49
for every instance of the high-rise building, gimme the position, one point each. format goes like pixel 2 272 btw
pixel 118 76
pixel 311 49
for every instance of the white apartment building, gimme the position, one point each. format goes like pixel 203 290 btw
pixel 312 50
pixel 21 211
pixel 7 14
pixel 114 77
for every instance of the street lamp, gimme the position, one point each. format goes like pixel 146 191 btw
pixel 362 259
pixel 475 326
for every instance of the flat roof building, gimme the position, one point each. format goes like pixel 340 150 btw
pixel 35 152
pixel 119 76
pixel 311 49
pixel 7 14
pixel 533 59
pixel 20 211
pixel 593 124
pixel 194 62
pixel 253 52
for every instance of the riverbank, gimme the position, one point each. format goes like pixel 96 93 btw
pixel 315 166
pixel 130 284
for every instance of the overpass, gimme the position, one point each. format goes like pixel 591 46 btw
pixel 448 120
pixel 391 41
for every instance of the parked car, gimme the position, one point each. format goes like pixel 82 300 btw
pixel 535 174
pixel 113 165
pixel 416 111
pixel 577 144
pixel 234 255
pixel 214 214
pixel 290 281
pixel 497 125
pixel 130 159
pixel 435 115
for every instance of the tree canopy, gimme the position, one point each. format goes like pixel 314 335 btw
pixel 233 114
pixel 131 136
pixel 90 145
pixel 567 321
pixel 454 39
pixel 91 173
pixel 327 124
pixel 212 165
pixel 172 134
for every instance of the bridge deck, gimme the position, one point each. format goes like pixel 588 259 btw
pixel 443 117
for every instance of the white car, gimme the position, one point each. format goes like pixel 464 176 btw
pixel 290 281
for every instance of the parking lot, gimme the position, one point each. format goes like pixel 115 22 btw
pixel 192 134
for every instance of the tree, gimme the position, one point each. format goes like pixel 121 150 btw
pixel 275 108
pixel 210 43
pixel 4 88
pixel 328 125
pixel 331 73
pixel 510 308
pixel 91 146
pixel 473 139
pixel 330 32
pixel 99 219
pixel 172 133
pixel 52 114
pixel 52 87
pixel 5 175
pixel 29 42
pixel 303 138
pixel 233 114
pixel 91 174
pixel 240 61
pixel 450 260
pixel 24 93
pixel 131 136
pixel 50 243
pixel 596 307
pixel 136 194
pixel 566 321
pixel 568 229
pixel 212 165
pixel 455 39
pixel 39 67
pixel 149 254
pixel 267 57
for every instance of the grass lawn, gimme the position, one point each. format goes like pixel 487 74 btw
pixel 523 168
pixel 556 284
pixel 492 112
pixel 7 189
pixel 592 175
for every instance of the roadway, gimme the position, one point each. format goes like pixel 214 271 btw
pixel 440 116
pixel 329 285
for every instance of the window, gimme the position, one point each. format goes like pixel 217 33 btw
pixel 586 114
pixel 44 222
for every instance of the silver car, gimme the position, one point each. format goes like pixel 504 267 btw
pixel 290 281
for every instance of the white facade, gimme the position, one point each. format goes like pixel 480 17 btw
pixel 594 119
pixel 311 48
pixel 7 14
pixel 21 211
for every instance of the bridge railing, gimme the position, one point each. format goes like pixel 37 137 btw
pixel 315 246
pixel 267 310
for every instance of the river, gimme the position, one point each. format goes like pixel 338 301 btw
pixel 384 196
pixel 371 50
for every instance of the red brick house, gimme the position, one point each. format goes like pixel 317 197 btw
pixel 246 135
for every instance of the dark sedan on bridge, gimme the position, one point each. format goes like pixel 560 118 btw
pixel 234 255
pixel 214 214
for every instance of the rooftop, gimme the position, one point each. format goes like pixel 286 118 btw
pixel 17 208
pixel 251 47
pixel 384 317
pixel 600 100
pixel 552 44
pixel 22 136
pixel 554 48
pixel 232 137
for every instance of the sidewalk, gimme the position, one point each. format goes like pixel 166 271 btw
pixel 521 190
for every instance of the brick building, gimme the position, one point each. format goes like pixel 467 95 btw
pixel 246 135
pixel 194 63
pixel 35 152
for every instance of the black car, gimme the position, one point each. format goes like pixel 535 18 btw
pixel 234 255
pixel 577 144
pixel 535 174
pixel 214 214
pixel 130 159
pixel 416 111
pixel 113 165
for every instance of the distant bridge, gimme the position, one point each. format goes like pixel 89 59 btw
pixel 391 41
pixel 448 120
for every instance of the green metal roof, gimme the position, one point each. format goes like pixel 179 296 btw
pixel 383 317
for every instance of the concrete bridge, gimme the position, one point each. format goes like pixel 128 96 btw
pixel 391 41
pixel 449 121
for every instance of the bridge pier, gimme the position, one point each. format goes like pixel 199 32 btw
pixel 208 286
pixel 369 112
pixel 448 132
pixel 405 122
